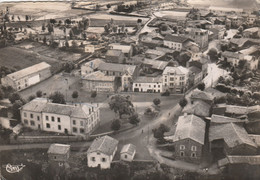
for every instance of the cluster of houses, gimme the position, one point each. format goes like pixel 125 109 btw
pixel 100 154
pixel 226 134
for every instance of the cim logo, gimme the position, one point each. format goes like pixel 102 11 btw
pixel 14 168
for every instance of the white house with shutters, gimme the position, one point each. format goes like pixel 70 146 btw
pixel 101 152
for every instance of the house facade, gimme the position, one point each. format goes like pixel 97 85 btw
pixel 174 42
pixel 128 152
pixel 101 152
pixel 27 77
pixel 148 84
pixel 59 152
pixel 78 120
pixel 200 36
pixel 97 81
pixel 115 56
pixel 175 79
pixel 90 67
pixel 189 138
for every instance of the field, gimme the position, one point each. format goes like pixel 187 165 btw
pixel 29 53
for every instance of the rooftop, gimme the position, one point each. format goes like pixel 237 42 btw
pixel 129 149
pixel 106 145
pixel 77 111
pixel 194 70
pixel 202 95
pixel 160 65
pixel 59 149
pixel 30 70
pixel 98 76
pixel 114 52
pixel 176 70
pixel 252 160
pixel 230 54
pixel 94 63
pixel 145 79
pixel 233 134
pixel 198 108
pixel 123 48
pixel 250 50
pixel 117 67
pixel 174 38
pixel 190 127
pixel 155 52
pixel 224 119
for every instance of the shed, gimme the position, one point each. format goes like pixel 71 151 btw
pixel 59 152
pixel 128 152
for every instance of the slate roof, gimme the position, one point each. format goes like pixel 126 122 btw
pixel 94 63
pixel 160 65
pixel 250 50
pixel 123 48
pixel 174 38
pixel 129 149
pixel 233 134
pixel 239 41
pixel 59 149
pixel 177 70
pixel 77 111
pixel 117 67
pixel 30 70
pixel 114 52
pixel 202 95
pixel 145 79
pixel 224 119
pixel 98 76
pixel 198 108
pixel 252 30
pixel 155 52
pixel 105 145
pixel 190 127
pixel 255 138
pixel 252 160
pixel 230 54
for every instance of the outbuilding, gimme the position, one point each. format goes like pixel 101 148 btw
pixel 128 152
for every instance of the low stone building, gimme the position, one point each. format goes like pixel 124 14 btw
pixel 128 152
pixel 59 152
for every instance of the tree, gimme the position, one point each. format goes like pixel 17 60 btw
pixel 139 21
pixel 68 21
pixel 159 132
pixel 156 101
pixel 121 105
pixel 53 21
pixel 213 54
pixel 39 93
pixel 13 97
pixel 31 97
pixel 183 102
pixel 44 40
pixel 68 67
pixel 57 97
pixel 241 64
pixel 43 27
pixel 93 94
pixel 108 6
pixel 134 119
pixel 15 109
pixel 75 95
pixel 116 124
pixel 201 86
pixel 26 17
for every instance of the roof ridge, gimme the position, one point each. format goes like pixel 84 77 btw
pixel 102 143
pixel 232 124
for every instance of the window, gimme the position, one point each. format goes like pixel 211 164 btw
pixel 194 148
pixel 103 159
pixel 47 118
pixel 171 79
pixel 182 147
pixel 59 127
pixel 38 118
pixel 165 80
pixel 48 125
pixel 158 86
pixel 74 122
pixel 32 123
pixel 25 121
pixel 126 156
pixel 182 153
pixel 81 123
pixel 193 154
pixel 24 115
pixel 82 131
pixel 93 159
pixel 75 130
pixel 52 119
pixel 154 85
pixel 58 119
pixel 31 115
pixel 135 84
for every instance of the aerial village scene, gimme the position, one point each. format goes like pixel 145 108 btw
pixel 130 90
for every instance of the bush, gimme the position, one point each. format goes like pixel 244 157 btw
pixel 31 97
pixel 57 97
pixel 183 102
pixel 116 124
pixel 156 101
pixel 13 97
pixel 256 96
pixel 166 93
pixel 201 86
pixel 223 88
pixel 39 93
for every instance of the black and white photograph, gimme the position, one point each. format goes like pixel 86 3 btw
pixel 129 89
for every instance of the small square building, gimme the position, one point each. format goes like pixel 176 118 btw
pixel 59 152
pixel 128 152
